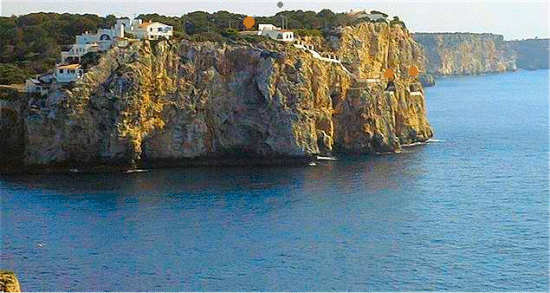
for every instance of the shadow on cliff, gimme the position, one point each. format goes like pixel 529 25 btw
pixel 12 145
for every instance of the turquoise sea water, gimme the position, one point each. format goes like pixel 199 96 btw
pixel 466 212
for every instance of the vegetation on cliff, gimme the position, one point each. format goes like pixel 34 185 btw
pixel 181 101
pixel 466 53
pixel 31 44
pixel 531 53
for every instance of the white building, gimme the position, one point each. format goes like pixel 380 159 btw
pixel 375 16
pixel 270 27
pixel 153 31
pixel 33 85
pixel 74 55
pixel 104 38
pixel 275 33
pixel 363 13
pixel 68 73
pixel 280 35
pixel 129 25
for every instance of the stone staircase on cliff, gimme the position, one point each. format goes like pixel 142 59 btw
pixel 359 83
pixel 333 58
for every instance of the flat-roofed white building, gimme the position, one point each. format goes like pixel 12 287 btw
pixel 74 55
pixel 372 16
pixel 104 38
pixel 270 27
pixel 33 85
pixel 375 16
pixel 280 35
pixel 275 33
pixel 153 31
pixel 68 73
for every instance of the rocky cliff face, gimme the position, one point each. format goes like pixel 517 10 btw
pixel 466 53
pixel 9 282
pixel 532 53
pixel 181 102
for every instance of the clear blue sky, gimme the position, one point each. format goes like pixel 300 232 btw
pixel 514 20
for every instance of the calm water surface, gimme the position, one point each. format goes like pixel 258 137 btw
pixel 467 212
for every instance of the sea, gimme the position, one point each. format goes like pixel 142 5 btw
pixel 468 211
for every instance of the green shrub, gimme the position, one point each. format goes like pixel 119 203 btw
pixel 90 59
pixel 308 32
pixel 397 21
pixel 179 35
pixel 9 94
pixel 230 33
pixel 11 74
pixel 254 38
pixel 206 36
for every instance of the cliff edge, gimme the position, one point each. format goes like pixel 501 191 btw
pixel 175 103
pixel 532 54
pixel 466 53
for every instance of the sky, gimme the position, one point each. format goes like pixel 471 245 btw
pixel 514 20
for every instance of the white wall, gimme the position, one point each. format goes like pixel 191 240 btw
pixel 77 51
pixel 267 27
pixel 86 38
pixel 154 31
pixel 104 38
pixel 285 36
pixel 67 75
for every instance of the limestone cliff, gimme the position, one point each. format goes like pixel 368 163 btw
pixel 9 282
pixel 466 53
pixel 531 53
pixel 176 103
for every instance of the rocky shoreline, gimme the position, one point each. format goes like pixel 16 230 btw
pixel 9 282
pixel 67 168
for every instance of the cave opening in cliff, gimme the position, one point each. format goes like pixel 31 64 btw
pixel 390 87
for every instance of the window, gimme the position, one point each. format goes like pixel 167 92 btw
pixel 71 71
pixel 150 29
pixel 159 29
pixel 61 71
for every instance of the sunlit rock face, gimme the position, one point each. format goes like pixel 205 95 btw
pixel 466 53
pixel 177 102
pixel 9 282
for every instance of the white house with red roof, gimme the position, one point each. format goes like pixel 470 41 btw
pixel 153 31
